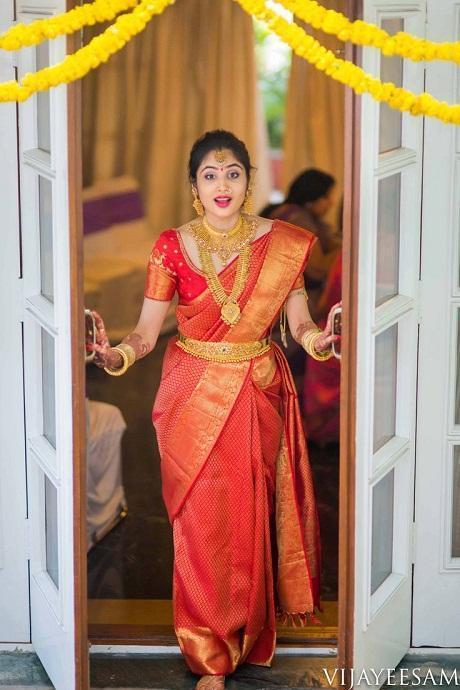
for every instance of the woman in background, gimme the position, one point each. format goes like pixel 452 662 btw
pixel 236 478
pixel 310 197
pixel 321 385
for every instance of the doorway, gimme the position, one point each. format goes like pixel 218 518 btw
pixel 130 563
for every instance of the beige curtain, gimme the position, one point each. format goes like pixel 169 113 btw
pixel 314 129
pixel 192 69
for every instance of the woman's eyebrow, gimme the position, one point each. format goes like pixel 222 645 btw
pixel 214 167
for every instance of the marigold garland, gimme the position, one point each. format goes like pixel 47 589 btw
pixel 98 50
pixel 22 35
pixel 358 32
pixel 101 47
pixel 346 72
pixel 366 34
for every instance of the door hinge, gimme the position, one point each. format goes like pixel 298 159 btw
pixel 412 543
pixel 419 301
pixel 27 540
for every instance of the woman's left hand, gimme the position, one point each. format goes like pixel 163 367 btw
pixel 324 341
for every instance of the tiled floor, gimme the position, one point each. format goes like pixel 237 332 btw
pixel 23 671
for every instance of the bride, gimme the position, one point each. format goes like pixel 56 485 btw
pixel 236 478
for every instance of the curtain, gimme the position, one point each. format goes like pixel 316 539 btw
pixel 191 70
pixel 314 128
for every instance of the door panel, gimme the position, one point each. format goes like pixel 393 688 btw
pixel 389 241
pixel 50 364
pixel 14 579
pixel 437 558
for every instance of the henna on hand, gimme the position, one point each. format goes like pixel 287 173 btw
pixel 326 339
pixel 140 346
pixel 302 328
pixel 107 356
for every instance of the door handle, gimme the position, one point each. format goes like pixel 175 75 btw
pixel 336 329
pixel 90 334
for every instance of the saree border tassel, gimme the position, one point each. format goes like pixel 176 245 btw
pixel 297 619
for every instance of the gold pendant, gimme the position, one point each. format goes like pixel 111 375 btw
pixel 230 312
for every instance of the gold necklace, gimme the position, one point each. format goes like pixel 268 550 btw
pixel 230 311
pixel 224 244
pixel 223 234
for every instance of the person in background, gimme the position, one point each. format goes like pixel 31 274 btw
pixel 321 386
pixel 310 196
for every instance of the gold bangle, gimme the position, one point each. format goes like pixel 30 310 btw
pixel 320 355
pixel 308 343
pixel 125 366
pixel 129 351
pixel 307 336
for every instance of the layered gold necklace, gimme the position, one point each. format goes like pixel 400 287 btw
pixel 210 240
pixel 223 243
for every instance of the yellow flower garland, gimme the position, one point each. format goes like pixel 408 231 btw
pixel 21 35
pixel 128 25
pixel 309 11
pixel 346 72
pixel 366 34
pixel 98 50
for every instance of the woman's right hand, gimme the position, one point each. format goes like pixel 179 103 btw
pixel 105 355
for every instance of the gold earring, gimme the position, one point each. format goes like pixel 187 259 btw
pixel 197 205
pixel 248 200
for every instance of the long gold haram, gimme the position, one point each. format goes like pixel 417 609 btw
pixel 230 311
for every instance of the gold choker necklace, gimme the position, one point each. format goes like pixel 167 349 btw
pixel 223 234
pixel 223 244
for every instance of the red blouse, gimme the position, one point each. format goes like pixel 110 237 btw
pixel 170 269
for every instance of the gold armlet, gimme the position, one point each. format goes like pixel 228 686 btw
pixel 128 355
pixel 298 291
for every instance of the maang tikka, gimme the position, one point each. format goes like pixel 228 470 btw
pixel 220 156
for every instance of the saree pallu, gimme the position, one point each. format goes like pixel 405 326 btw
pixel 236 479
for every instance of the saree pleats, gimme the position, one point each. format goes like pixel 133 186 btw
pixel 224 610
pixel 235 475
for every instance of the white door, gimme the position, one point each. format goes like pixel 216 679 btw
pixel 14 577
pixel 437 507
pixel 47 354
pixel 388 324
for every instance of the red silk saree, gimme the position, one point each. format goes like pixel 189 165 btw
pixel 236 479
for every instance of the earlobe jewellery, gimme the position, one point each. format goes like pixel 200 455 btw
pixel 128 355
pixel 248 200
pixel 197 205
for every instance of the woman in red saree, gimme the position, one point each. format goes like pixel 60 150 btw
pixel 236 479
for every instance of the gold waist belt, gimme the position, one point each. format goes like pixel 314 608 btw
pixel 223 351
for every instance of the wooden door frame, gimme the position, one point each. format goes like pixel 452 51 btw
pixel 77 344
pixel 347 474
